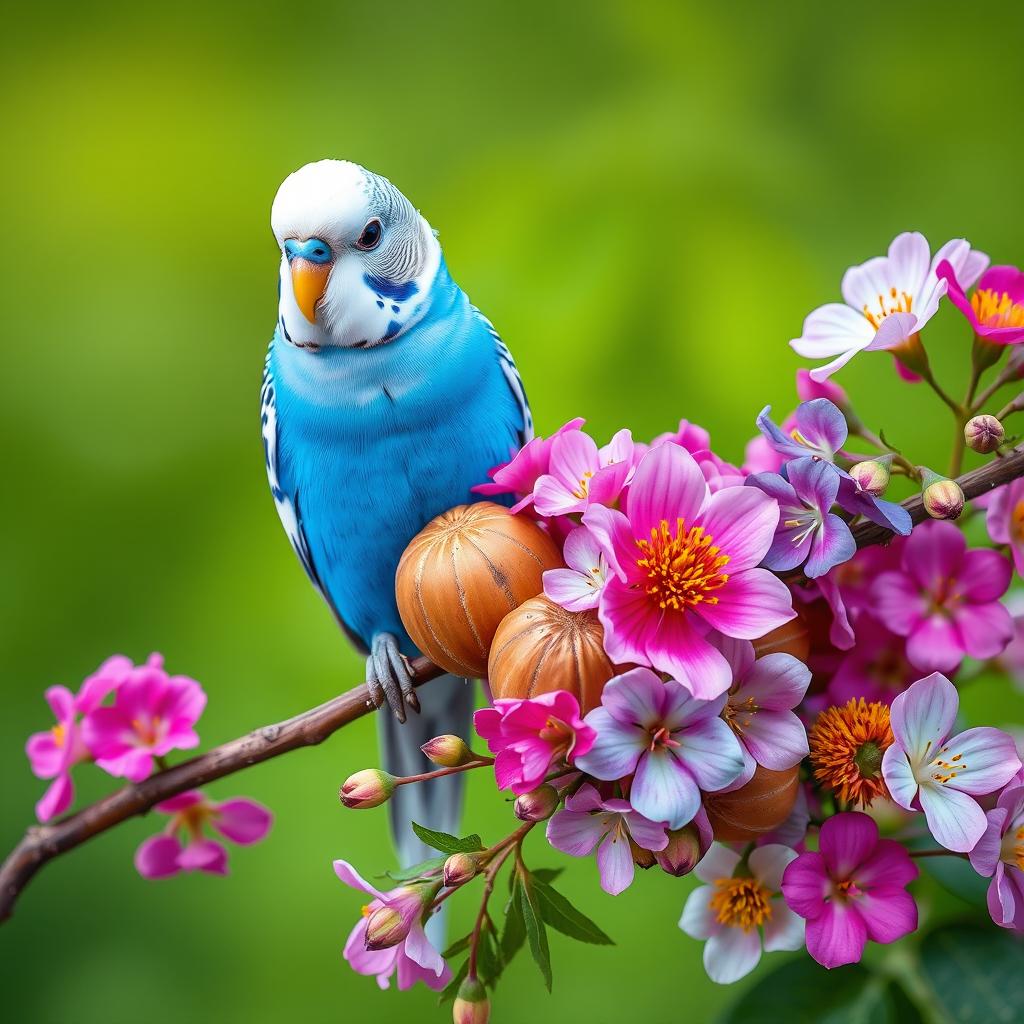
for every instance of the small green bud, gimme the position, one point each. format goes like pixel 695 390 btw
pixel 368 788
pixel 984 434
pixel 942 498
pixel 872 475
pixel 471 1004
pixel 459 868
pixel 448 751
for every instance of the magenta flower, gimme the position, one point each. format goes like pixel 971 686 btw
pixel 684 562
pixel 579 473
pixel 718 473
pixel 926 768
pixel 999 855
pixel 808 531
pixel 1005 520
pixel 52 754
pixel 876 668
pixel 587 823
pixel 528 736
pixel 807 388
pixel 677 745
pixel 996 309
pixel 945 599
pixel 887 300
pixel 852 890
pixel 689 435
pixel 739 901
pixel 578 587
pixel 152 714
pixel 413 958
pixel 241 820
pixel 759 708
pixel 519 476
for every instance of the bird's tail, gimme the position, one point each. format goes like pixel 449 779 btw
pixel 446 707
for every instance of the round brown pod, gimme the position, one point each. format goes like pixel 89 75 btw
pixel 791 637
pixel 462 574
pixel 761 805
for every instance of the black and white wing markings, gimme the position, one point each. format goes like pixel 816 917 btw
pixel 515 381
pixel 287 509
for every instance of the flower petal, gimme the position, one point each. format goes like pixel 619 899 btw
pixel 741 522
pixel 575 833
pixel 731 954
pixel 615 861
pixel 924 714
pixel 982 760
pixel 806 884
pixel 784 930
pixel 616 748
pixel 954 818
pixel 750 604
pixel 769 863
pixel 664 790
pixel 242 821
pixel 699 920
pixel 711 753
pixel 667 485
pixel 718 862
pixel 837 936
pixel 847 840
pixel 354 880
pixel 157 857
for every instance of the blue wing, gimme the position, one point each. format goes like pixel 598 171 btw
pixel 515 381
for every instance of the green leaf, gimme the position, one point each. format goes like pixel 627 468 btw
pixel 547 874
pixel 564 917
pixel 408 874
pixel 535 931
pixel 457 947
pixel 451 990
pixel 488 957
pixel 975 972
pixel 802 992
pixel 514 934
pixel 446 843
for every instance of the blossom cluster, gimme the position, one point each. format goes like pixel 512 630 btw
pixel 784 718
pixel 126 719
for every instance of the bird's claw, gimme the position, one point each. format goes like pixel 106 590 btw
pixel 389 677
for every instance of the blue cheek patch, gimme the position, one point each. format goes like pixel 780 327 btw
pixel 391 289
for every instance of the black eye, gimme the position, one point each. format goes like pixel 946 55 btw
pixel 370 236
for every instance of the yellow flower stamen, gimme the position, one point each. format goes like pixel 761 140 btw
pixel 897 302
pixel 741 903
pixel 58 735
pixel 847 744
pixel 683 566
pixel 996 309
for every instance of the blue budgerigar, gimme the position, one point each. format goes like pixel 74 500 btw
pixel 386 396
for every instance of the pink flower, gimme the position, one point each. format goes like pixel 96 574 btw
pixel 413 958
pixel 738 903
pixel 717 472
pixel 1005 520
pixel 520 474
pixel 999 855
pixel 240 820
pixel 852 890
pixel 578 587
pixel 945 599
pixel 579 473
pixel 152 714
pixel 54 753
pixel 887 300
pixel 587 823
pixel 759 708
pixel 876 668
pixel 684 563
pixel 689 436
pixel 528 736
pixel 926 768
pixel 807 388
pixel 996 309
pixel 677 745
pixel 760 457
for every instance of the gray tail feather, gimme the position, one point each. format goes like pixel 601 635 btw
pixel 446 706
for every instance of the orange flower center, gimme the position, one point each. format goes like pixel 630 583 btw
pixel 996 309
pixel 58 735
pixel 147 730
pixel 1017 521
pixel 741 903
pixel 1018 849
pixel 739 715
pixel 683 566
pixel 895 302
pixel 847 745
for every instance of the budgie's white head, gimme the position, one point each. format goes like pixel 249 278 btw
pixel 357 259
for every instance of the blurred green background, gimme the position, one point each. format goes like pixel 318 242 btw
pixel 645 199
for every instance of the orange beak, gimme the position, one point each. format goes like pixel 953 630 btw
pixel 309 280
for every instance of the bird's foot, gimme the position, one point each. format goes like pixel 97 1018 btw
pixel 389 676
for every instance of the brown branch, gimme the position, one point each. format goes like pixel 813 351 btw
pixel 44 842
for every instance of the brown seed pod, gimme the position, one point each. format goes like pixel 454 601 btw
pixel 791 637
pixel 462 574
pixel 541 647
pixel 761 805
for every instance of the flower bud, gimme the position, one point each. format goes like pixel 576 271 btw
pixel 683 852
pixel 448 751
pixel 943 498
pixel 984 434
pixel 390 923
pixel 471 1004
pixel 642 858
pixel 368 788
pixel 872 475
pixel 537 805
pixel 459 868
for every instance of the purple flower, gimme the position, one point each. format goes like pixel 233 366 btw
pixel 808 531
pixel 578 587
pixel 852 890
pixel 413 958
pixel 855 499
pixel 588 822
pixel 241 820
pixel 999 855
pixel 1005 520
pixel 876 668
pixel 528 736
pixel 677 745
pixel 945 599
pixel 738 903
pixel 759 708
pixel 820 431
pixel 927 768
